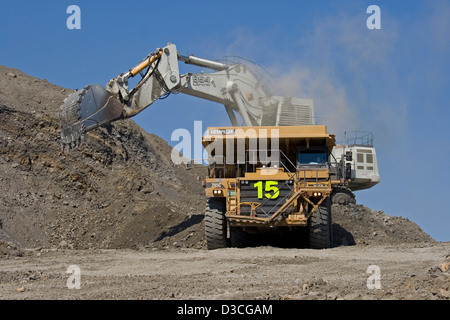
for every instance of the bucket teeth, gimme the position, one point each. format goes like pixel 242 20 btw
pixel 73 130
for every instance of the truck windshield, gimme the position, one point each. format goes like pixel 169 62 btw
pixel 312 157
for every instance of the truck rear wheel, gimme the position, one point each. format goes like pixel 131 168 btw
pixel 320 226
pixel 215 224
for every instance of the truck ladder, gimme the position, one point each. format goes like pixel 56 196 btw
pixel 231 197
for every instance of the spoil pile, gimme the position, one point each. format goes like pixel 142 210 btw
pixel 118 190
pixel 357 224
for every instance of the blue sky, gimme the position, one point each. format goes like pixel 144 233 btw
pixel 393 82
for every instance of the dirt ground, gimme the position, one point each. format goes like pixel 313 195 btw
pixel 418 271
pixel 118 210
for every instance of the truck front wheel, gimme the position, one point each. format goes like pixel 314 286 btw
pixel 320 226
pixel 215 224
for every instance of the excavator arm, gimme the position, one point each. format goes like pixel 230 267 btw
pixel 237 86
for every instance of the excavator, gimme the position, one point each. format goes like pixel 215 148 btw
pixel 241 87
pixel 237 87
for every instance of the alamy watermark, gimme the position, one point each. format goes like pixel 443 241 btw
pixel 237 145
pixel 374 21
pixel 374 280
pixel 74 20
pixel 74 280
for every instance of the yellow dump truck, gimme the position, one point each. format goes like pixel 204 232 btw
pixel 268 179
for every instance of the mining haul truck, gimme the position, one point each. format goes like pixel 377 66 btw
pixel 268 179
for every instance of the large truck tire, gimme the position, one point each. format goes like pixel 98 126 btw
pixel 342 196
pixel 320 226
pixel 215 224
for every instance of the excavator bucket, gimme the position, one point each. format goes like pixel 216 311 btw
pixel 85 110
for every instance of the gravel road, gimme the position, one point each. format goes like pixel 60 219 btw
pixel 418 271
